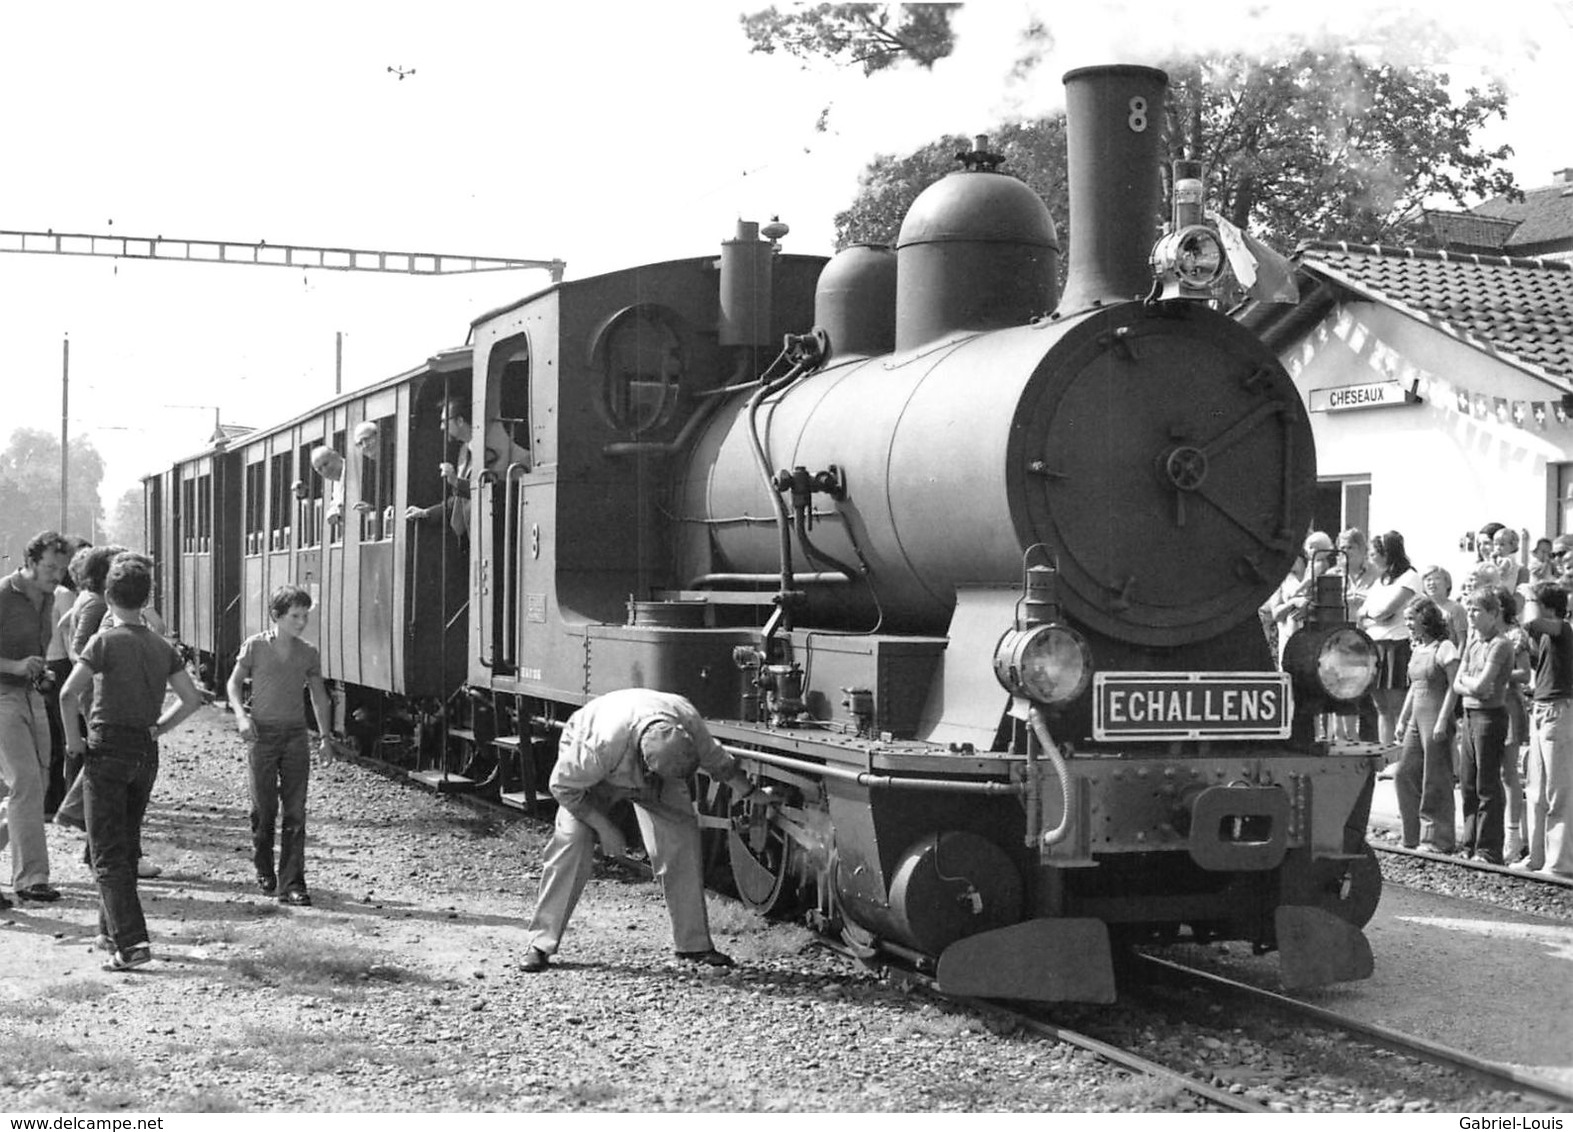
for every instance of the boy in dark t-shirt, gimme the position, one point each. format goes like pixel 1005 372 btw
pixel 279 664
pixel 128 667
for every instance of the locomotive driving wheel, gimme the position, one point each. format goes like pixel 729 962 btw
pixel 746 853
pixel 763 859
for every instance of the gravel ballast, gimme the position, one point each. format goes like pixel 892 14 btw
pixel 399 990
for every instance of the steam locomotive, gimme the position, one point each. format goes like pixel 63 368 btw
pixel 967 572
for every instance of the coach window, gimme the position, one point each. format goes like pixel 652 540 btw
pixel 336 496
pixel 307 490
pixel 375 445
pixel 640 354
pixel 256 501
pixel 281 497
pixel 205 513
pixel 187 517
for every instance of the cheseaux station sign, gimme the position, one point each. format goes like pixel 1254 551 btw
pixel 1370 395
pixel 1191 705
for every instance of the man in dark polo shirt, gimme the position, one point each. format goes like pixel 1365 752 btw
pixel 1549 789
pixel 26 609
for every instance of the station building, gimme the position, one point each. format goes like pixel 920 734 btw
pixel 1440 382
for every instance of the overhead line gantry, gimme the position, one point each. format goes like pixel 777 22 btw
pixel 264 254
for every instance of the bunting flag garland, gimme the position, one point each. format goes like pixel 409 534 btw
pixel 1487 407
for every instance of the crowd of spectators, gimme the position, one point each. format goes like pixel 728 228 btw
pixel 84 666
pixel 1472 703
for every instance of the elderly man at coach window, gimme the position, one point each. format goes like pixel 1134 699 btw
pixel 26 616
pixel 641 746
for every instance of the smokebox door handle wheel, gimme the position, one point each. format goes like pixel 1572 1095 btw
pixel 1185 467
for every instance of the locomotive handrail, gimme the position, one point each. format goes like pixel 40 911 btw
pixel 806 578
pixel 885 781
pixel 513 531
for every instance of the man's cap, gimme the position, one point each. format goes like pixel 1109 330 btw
pixel 366 430
pixel 668 749
pixel 1561 543
pixel 1317 541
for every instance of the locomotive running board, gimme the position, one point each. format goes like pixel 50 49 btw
pixel 1049 960
pixel 1316 947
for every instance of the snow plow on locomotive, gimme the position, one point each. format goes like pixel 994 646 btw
pixel 967 573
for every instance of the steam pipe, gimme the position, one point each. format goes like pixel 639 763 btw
pixel 762 465
pixel 814 553
pixel 1040 728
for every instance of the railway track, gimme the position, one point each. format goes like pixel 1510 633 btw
pixel 1495 1076
pixel 1196 1079
pixel 1469 863
pixel 1031 1022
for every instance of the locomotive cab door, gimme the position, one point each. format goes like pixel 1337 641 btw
pixel 504 436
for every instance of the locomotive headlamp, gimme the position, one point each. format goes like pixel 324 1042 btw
pixel 1335 664
pixel 1192 257
pixel 1048 664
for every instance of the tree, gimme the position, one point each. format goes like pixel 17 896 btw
pixel 126 525
pixel 1320 145
pixel 869 35
pixel 1033 151
pixel 1325 145
pixel 30 490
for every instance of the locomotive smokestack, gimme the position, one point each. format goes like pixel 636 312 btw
pixel 1114 142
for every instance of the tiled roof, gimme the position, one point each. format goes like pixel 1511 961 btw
pixel 1520 310
pixel 1544 218
pixel 1465 230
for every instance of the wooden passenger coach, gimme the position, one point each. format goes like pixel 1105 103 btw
pixel 388 597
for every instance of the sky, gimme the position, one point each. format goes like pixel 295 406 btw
pixel 605 134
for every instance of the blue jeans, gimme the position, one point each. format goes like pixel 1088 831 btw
pixel 118 775
pixel 1484 740
pixel 280 769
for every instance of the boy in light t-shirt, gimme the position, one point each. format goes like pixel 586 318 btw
pixel 279 664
